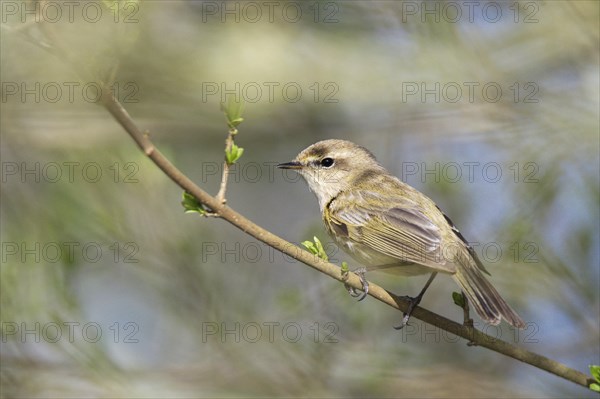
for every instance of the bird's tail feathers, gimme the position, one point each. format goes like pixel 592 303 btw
pixel 485 299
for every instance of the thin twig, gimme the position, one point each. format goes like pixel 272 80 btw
pixel 225 175
pixel 467 332
pixel 467 318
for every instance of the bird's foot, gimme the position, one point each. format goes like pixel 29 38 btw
pixel 360 272
pixel 412 305
pixel 413 302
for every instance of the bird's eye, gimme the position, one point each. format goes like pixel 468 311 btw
pixel 327 162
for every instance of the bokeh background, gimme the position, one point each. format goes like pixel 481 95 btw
pixel 109 290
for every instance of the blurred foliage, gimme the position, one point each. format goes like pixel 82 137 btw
pixel 165 287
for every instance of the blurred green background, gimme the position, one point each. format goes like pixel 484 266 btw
pixel 109 290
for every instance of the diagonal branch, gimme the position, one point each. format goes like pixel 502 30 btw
pixel 474 336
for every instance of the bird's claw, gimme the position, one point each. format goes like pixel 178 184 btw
pixel 365 285
pixel 413 304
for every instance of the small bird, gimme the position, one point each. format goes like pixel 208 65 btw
pixel 387 225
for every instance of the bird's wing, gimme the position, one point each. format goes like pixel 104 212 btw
pixel 402 231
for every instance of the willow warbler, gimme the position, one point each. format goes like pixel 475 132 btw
pixel 387 225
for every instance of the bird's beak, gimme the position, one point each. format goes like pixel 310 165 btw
pixel 290 165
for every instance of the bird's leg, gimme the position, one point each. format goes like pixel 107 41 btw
pixel 414 302
pixel 360 272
